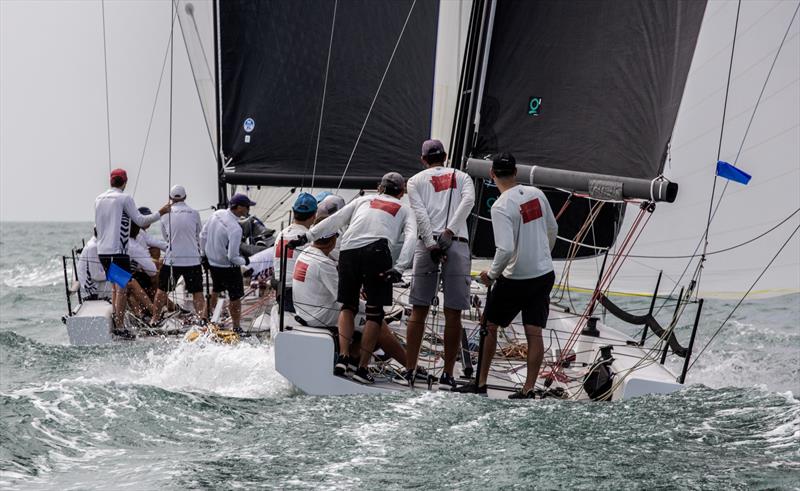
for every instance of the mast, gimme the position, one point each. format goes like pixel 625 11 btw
pixel 222 190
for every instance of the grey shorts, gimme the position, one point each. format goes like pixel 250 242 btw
pixel 455 277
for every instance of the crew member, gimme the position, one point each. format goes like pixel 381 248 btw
pixel 377 224
pixel 153 244
pixel 182 233
pixel 220 239
pixel 522 270
pixel 315 287
pixel 442 199
pixel 114 212
pixel 91 275
pixel 304 211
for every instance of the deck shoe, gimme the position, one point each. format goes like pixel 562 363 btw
pixel 405 378
pixel 472 388
pixel 520 394
pixel 447 382
pixel 340 368
pixel 352 364
pixel 362 375
pixel 124 333
pixel 421 374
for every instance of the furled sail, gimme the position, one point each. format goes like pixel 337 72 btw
pixel 589 86
pixel 340 89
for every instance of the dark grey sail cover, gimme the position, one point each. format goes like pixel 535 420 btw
pixel 273 59
pixel 587 85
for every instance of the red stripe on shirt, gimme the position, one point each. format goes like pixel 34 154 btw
pixel 444 182
pixel 387 206
pixel 530 210
pixel 300 269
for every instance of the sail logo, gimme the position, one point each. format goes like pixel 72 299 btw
pixel 300 270
pixel 279 249
pixel 249 125
pixel 444 182
pixel 530 210
pixel 387 206
pixel 534 106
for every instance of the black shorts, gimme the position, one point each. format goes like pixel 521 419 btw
pixel 121 260
pixel 143 280
pixel 362 267
pixel 531 296
pixel 228 279
pixel 192 278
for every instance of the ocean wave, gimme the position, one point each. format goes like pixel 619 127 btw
pixel 37 275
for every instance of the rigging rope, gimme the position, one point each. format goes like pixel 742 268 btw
pixel 324 92
pixel 377 92
pixel 105 70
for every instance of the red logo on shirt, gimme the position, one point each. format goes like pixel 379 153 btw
pixel 279 249
pixel 387 206
pixel 444 182
pixel 300 269
pixel 530 210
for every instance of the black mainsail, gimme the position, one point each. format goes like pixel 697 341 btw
pixel 371 61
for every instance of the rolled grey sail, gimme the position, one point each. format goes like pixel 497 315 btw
pixel 598 186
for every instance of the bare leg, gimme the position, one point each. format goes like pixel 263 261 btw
pixel 199 303
pixel 368 340
pixel 452 338
pixel 141 297
pixel 535 355
pixel 489 346
pixel 212 304
pixel 235 308
pixel 120 304
pixel 390 345
pixel 346 327
pixel 415 328
pixel 158 305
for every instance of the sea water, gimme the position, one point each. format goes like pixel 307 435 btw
pixel 163 415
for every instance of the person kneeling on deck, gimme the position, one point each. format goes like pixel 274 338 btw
pixel 182 234
pixel 304 211
pixel 442 199
pixel 315 289
pixel 377 224
pixel 220 239
pixel 522 269
pixel 114 212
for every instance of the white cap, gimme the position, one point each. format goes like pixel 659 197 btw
pixel 177 192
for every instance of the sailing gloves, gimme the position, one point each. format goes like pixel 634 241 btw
pixel 445 240
pixel 300 241
pixel 393 276
pixel 437 254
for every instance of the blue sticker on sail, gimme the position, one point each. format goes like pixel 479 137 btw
pixel 732 173
pixel 118 276
pixel 534 106
pixel 249 125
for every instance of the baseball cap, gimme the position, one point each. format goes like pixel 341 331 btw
pixel 322 195
pixel 177 192
pixel 504 162
pixel 240 199
pixel 393 180
pixel 330 205
pixel 145 210
pixel 305 203
pixel 119 173
pixel 432 147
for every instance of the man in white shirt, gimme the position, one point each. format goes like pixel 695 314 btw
pixel 220 239
pixel 376 225
pixel 91 275
pixel 304 211
pixel 442 199
pixel 181 232
pixel 525 232
pixel 114 212
pixel 316 282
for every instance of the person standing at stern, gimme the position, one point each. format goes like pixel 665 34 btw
pixel 522 270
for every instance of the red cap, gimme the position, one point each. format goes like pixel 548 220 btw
pixel 119 173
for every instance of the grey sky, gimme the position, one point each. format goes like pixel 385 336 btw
pixel 53 152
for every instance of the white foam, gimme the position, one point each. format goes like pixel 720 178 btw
pixel 33 275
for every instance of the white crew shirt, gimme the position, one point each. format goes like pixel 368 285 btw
pixel 261 263
pixel 113 213
pixel 315 284
pixel 147 241
pixel 220 238
pixel 371 218
pixel 141 260
pixel 524 233
pixel 91 275
pixel 442 198
pixel 291 232
pixel 181 231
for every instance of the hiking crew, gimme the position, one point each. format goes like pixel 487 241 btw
pixel 114 212
pixel 377 224
pixel 522 270
pixel 220 239
pixel 182 235
pixel 442 199
pixel 304 211
pixel 91 275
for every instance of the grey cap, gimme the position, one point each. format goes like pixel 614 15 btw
pixel 432 147
pixel 330 205
pixel 393 180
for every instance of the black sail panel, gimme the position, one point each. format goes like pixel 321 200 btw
pixel 273 62
pixel 587 85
